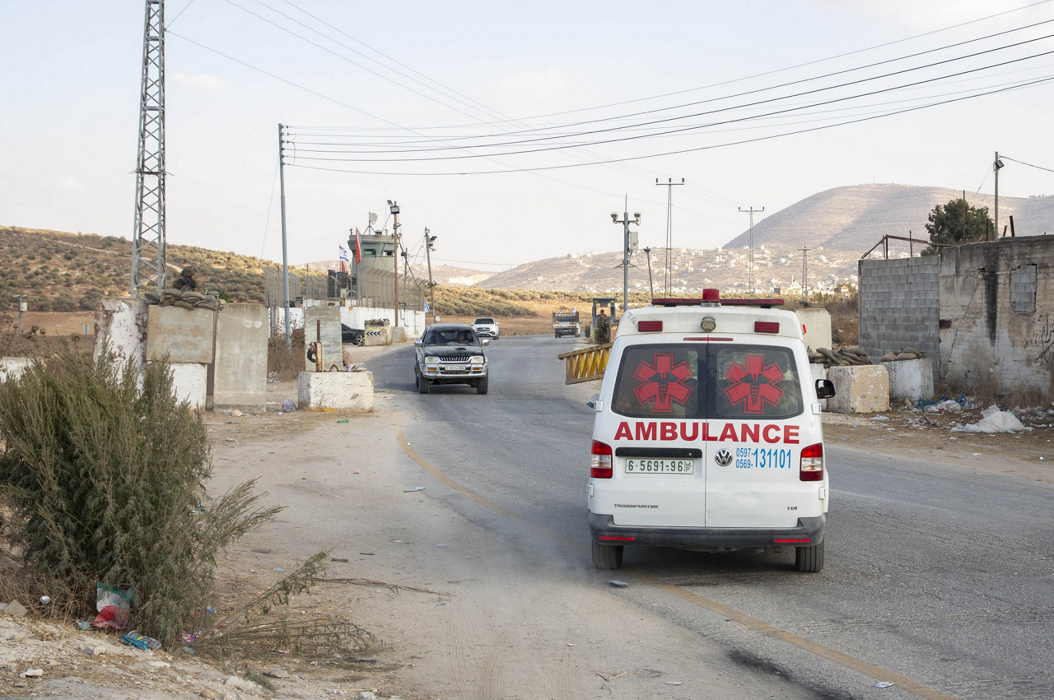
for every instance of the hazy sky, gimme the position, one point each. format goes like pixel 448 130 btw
pixel 70 81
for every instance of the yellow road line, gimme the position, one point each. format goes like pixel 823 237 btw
pixel 752 623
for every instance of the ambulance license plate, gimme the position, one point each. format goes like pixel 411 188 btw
pixel 660 466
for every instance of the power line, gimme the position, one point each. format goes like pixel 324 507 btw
pixel 745 78
pixel 1037 167
pixel 696 149
pixel 726 109
pixel 792 83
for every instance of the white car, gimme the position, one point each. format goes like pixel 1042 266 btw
pixel 485 327
pixel 707 434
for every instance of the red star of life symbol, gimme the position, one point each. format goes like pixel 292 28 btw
pixel 661 383
pixel 754 385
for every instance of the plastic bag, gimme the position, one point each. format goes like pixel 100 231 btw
pixel 288 406
pixel 113 605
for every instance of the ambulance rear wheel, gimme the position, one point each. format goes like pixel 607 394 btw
pixel 607 557
pixel 809 559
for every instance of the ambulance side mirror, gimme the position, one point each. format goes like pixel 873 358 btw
pixel 595 403
pixel 824 389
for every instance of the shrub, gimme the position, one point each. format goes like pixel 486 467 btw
pixel 89 300
pixel 106 481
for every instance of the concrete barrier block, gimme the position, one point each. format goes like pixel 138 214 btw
pixel 326 319
pixel 240 370
pixel 11 368
pixel 346 391
pixel 817 324
pixel 910 379
pixel 185 334
pixel 378 335
pixel 189 382
pixel 819 372
pixel 399 334
pixel 859 389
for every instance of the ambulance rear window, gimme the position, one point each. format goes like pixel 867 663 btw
pixel 754 381
pixel 660 381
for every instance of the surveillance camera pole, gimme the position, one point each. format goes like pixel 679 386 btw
pixel 625 221
pixel 995 166
pixel 395 256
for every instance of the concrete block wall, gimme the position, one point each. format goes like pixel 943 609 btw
pixel 900 305
pixel 992 328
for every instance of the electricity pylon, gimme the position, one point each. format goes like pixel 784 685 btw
pixel 148 238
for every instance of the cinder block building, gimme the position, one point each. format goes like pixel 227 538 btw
pixel 981 308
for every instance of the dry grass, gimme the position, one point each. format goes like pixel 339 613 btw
pixel 284 364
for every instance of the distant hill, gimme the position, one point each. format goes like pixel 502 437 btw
pixel 855 218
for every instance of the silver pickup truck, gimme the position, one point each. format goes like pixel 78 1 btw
pixel 450 353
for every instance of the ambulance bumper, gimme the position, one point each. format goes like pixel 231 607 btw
pixel 807 533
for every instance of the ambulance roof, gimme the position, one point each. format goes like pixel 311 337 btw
pixel 752 320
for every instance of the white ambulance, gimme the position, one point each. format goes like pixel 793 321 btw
pixel 707 433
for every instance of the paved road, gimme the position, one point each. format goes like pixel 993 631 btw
pixel 938 574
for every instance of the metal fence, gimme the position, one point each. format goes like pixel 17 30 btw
pixel 370 287
pixel 376 288
pixel 300 287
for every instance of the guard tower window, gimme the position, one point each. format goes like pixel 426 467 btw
pixel 1023 289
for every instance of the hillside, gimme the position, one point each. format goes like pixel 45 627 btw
pixel 69 271
pixel 855 218
pixel 692 271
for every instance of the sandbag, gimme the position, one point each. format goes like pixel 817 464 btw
pixel 888 357
pixel 183 304
pixel 907 356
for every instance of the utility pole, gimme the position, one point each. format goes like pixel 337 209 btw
pixel 148 235
pixel 804 274
pixel 750 277
pixel 285 250
pixel 668 273
pixel 625 221
pixel 394 208
pixel 964 216
pixel 651 285
pixel 431 285
pixel 997 165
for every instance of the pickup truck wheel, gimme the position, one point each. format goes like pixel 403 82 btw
pixel 424 385
pixel 417 379
pixel 481 385
pixel 809 559
pixel 607 557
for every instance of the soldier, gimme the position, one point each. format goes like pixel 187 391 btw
pixel 603 330
pixel 186 280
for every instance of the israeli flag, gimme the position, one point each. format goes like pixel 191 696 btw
pixel 343 254
pixel 426 307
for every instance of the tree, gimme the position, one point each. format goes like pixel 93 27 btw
pixel 947 224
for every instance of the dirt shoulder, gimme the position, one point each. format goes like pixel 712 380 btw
pixel 900 433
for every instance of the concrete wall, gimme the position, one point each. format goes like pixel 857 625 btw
pixel 121 326
pixel 900 305
pixel 997 313
pixel 332 350
pixel 356 316
pixel 817 323
pixel 239 376
pixel 185 334
pixel 188 382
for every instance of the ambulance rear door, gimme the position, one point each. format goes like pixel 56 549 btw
pixel 758 421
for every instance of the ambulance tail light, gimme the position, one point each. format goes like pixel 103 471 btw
pixel 811 463
pixel 766 327
pixel 600 465
pixel 650 326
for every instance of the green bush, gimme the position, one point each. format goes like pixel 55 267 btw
pixel 105 472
